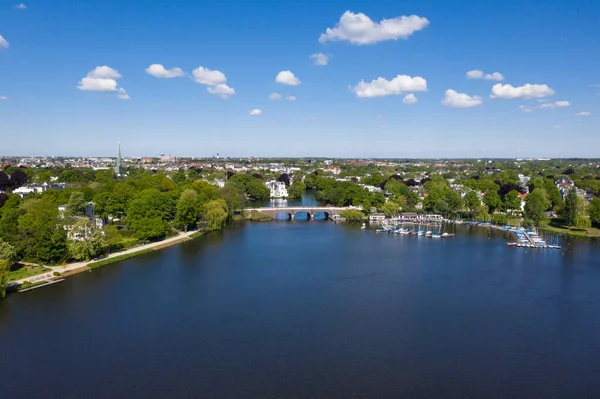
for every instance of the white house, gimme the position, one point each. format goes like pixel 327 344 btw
pixel 277 189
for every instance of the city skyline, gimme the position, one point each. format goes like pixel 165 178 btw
pixel 351 80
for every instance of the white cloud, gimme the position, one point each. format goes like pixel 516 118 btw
pixel 410 99
pixel 509 92
pixel 221 90
pixel 208 77
pixel 215 80
pixel 380 126
pixel 479 74
pixel 557 127
pixel 274 96
pixel 255 112
pixel 320 59
pixel 556 104
pixel 104 72
pixel 103 78
pixel 4 98
pixel 95 84
pixel 287 78
pixel 360 29
pixel 497 76
pixel 21 6
pixel 122 94
pixel 291 98
pixel 159 71
pixel 454 99
pixel 382 87
pixel 3 42
pixel 475 74
pixel 584 113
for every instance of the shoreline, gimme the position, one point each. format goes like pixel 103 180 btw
pixel 71 269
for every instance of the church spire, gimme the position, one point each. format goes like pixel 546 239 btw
pixel 118 167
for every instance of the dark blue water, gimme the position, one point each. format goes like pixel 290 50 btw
pixel 314 310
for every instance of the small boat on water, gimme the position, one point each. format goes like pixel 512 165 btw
pixel 511 244
pixel 364 226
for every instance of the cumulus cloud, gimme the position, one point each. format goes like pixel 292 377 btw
pixel 557 127
pixel 274 96
pixel 103 78
pixel 214 80
pixel 3 42
pixel 255 112
pixel 454 99
pixel 208 77
pixel 291 98
pixel 221 90
pixel 475 74
pixel 122 94
pixel 4 98
pixel 381 87
pixel 159 71
pixel 509 92
pixel 410 99
pixel 287 78
pixel 320 59
pixel 479 74
pixel 21 6
pixel 380 126
pixel 497 76
pixel 360 29
pixel 584 113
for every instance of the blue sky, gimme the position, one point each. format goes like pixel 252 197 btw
pixel 49 47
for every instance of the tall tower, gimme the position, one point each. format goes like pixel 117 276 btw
pixel 118 167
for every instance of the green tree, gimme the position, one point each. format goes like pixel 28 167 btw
pixel 472 201
pixel 7 253
pixel 188 209
pixel 76 205
pixel 594 210
pixel 4 270
pixel 257 190
pixel 296 189
pixel 536 205
pixel 40 236
pixel 216 214
pixel 570 213
pixel 390 208
pixel 454 201
pixel 512 201
pixel 492 200
pixel 149 214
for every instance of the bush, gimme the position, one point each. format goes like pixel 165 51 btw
pixel 56 274
pixel 499 218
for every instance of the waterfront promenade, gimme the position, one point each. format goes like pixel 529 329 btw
pixel 72 268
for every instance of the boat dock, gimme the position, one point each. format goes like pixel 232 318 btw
pixel 391 228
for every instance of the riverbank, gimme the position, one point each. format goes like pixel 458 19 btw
pixel 70 269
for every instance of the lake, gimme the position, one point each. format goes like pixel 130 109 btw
pixel 314 309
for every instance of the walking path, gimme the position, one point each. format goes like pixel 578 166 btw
pixel 74 266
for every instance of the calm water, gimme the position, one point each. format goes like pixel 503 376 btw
pixel 314 310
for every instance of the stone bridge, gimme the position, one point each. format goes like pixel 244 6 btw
pixel 330 212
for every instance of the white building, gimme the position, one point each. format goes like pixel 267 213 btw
pixel 277 189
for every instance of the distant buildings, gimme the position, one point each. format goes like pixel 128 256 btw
pixel 37 188
pixel 277 189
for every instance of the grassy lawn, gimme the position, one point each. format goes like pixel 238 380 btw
pixel 19 271
pixel 556 227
